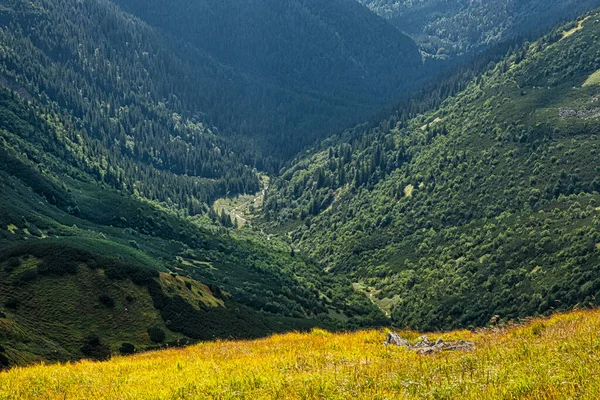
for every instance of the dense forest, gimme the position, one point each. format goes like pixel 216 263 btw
pixel 159 113
pixel 67 235
pixel 486 205
pixel 449 28
pixel 119 91
pixel 311 66
pixel 125 127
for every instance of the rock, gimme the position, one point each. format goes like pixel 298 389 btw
pixel 426 350
pixel 565 113
pixel 424 339
pixel 425 346
pixel 395 339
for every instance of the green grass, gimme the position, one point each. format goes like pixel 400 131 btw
pixel 593 79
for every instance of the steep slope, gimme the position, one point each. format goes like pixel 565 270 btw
pixel 449 28
pixel 85 268
pixel 157 107
pixel 326 63
pixel 125 90
pixel 485 206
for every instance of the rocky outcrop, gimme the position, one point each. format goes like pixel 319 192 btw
pixel 565 113
pixel 425 346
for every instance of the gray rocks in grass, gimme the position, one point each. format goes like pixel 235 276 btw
pixel 396 340
pixel 425 346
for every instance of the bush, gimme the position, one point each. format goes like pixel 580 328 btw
pixel 157 335
pixel 12 303
pixel 117 271
pixel 2 315
pixel 107 301
pixel 94 349
pixel 58 265
pixel 25 276
pixel 127 348
pixel 12 264
pixel 4 361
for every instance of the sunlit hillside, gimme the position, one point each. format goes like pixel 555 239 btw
pixel 543 359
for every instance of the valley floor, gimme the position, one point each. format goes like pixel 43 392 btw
pixel 556 357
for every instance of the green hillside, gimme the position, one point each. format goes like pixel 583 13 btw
pixel 156 187
pixel 446 29
pixel 487 205
pixel 81 261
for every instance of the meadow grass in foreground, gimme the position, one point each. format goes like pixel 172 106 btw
pixel 558 357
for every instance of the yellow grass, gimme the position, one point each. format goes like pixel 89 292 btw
pixel 593 79
pixel 545 359
pixel 577 28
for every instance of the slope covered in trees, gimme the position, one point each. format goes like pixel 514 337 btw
pixel 487 205
pixel 162 112
pixel 447 28
pixel 85 269
pixel 312 65
pixel 120 90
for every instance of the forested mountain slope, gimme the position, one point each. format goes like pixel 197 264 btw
pixel 161 114
pixel 122 93
pixel 447 28
pixel 311 65
pixel 487 205
pixel 85 268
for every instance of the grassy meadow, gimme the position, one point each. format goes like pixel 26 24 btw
pixel 550 358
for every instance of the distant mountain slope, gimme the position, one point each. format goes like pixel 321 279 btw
pixel 324 63
pixel 85 268
pixel 161 108
pixel 487 205
pixel 125 90
pixel 448 28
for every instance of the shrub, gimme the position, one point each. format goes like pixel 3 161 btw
pixel 118 271
pixel 157 335
pixel 12 263
pixel 4 361
pixel 56 264
pixel 127 348
pixel 2 315
pixel 25 276
pixel 12 303
pixel 94 349
pixel 107 301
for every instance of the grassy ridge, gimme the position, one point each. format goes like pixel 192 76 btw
pixel 545 358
